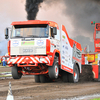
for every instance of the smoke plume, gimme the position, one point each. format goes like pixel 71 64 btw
pixel 32 7
pixel 79 12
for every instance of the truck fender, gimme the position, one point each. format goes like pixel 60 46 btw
pixel 76 63
pixel 55 53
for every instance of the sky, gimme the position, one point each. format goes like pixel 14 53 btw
pixel 76 15
pixel 10 10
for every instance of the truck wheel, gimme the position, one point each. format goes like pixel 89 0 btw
pixel 15 73
pixel 74 78
pixel 64 76
pixel 42 78
pixel 54 70
pixel 37 78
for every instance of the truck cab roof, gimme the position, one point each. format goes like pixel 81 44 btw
pixel 32 22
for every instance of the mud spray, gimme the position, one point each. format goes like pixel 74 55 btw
pixel 81 12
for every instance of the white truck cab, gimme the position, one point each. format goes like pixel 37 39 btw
pixel 39 48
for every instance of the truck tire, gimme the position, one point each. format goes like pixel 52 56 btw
pixel 15 73
pixel 42 78
pixel 37 78
pixel 54 70
pixel 64 76
pixel 74 78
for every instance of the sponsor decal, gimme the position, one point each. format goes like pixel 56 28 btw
pixel 63 57
pixel 66 60
pixel 63 37
pixel 63 40
pixel 27 43
pixel 69 65
pixel 66 52
pixel 69 57
pixel 63 62
pixel 57 48
pixel 66 43
pixel 67 69
pixel 40 42
pixel 15 43
pixel 97 45
pixel 66 47
pixel 52 44
pixel 57 45
pixel 63 52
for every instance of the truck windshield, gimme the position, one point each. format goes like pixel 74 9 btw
pixel 97 34
pixel 35 31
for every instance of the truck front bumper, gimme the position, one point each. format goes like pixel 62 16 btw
pixel 29 60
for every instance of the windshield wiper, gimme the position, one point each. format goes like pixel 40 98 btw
pixel 17 37
pixel 32 36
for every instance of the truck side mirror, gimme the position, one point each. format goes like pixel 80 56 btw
pixel 6 33
pixel 54 31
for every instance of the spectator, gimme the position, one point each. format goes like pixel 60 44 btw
pixel 4 64
pixel 0 61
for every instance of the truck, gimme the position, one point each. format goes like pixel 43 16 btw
pixel 93 59
pixel 42 49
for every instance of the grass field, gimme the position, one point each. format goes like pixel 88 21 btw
pixel 4 73
pixel 3 66
pixel 96 99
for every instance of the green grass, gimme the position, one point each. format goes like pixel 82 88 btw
pixel 2 74
pixel 5 75
pixel 96 99
pixel 5 72
pixel 3 66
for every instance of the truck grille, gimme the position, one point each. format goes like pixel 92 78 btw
pixel 27 50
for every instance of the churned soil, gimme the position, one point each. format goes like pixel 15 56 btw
pixel 5 69
pixel 26 88
pixel 86 74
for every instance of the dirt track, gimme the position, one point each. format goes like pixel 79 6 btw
pixel 5 69
pixel 27 89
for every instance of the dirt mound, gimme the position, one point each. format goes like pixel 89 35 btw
pixel 86 74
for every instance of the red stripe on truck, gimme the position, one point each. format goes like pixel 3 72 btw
pixel 67 69
pixel 78 60
pixel 70 40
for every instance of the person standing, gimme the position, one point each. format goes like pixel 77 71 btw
pixel 4 64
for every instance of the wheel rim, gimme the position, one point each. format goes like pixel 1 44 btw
pixel 56 70
pixel 75 75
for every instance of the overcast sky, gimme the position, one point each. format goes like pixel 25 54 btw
pixel 76 15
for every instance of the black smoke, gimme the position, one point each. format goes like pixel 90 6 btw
pixel 32 7
pixel 81 13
